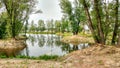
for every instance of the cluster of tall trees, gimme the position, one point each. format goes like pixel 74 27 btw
pixel 13 15
pixel 102 18
pixel 50 26
pixel 40 26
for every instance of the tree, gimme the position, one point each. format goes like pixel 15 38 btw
pixel 66 7
pixel 50 25
pixel 90 22
pixel 64 25
pixel 17 11
pixel 118 40
pixel 73 14
pixel 57 26
pixel 4 26
pixel 117 24
pixel 41 25
pixel 79 16
pixel 101 19
pixel 32 27
pixel 97 6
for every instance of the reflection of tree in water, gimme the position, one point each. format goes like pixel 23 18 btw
pixel 41 40
pixel 85 45
pixel 50 40
pixel 75 47
pixel 67 48
pixel 57 41
pixel 64 46
pixel 32 39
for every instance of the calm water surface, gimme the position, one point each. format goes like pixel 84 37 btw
pixel 49 44
pixel 41 44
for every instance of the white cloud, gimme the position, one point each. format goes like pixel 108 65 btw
pixel 50 9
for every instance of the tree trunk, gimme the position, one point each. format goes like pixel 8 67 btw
pixel 107 19
pixel 118 40
pixel 99 22
pixel 90 21
pixel 115 32
pixel 26 28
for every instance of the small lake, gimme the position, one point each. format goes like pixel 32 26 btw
pixel 49 44
pixel 46 44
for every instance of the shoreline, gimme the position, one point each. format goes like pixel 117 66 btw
pixel 92 57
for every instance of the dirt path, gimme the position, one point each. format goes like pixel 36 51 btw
pixel 25 63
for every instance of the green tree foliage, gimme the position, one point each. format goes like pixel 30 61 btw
pixel 32 27
pixel 102 19
pixel 117 24
pixel 65 25
pixel 4 26
pixel 41 25
pixel 17 12
pixel 73 14
pixel 50 25
pixel 57 26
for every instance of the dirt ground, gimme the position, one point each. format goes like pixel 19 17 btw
pixel 97 56
pixel 94 57
pixel 26 63
pixel 76 39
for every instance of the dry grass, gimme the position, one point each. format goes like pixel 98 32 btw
pixel 75 39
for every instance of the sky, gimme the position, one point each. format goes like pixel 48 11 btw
pixel 50 9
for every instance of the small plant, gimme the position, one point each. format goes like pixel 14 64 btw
pixel 100 62
pixel 48 57
pixel 21 56
pixel 2 55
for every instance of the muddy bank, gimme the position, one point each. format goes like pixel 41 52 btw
pixel 11 47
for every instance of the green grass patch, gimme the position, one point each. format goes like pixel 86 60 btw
pixel 43 57
pixel 41 32
pixel 48 57
pixel 64 34
pixel 3 56
pixel 85 34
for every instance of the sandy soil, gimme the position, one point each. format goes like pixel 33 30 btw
pixel 98 56
pixel 94 57
pixel 26 63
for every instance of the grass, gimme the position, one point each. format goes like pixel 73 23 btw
pixel 3 56
pixel 85 35
pixel 70 34
pixel 64 34
pixel 100 62
pixel 43 57
pixel 41 32
pixel 48 57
